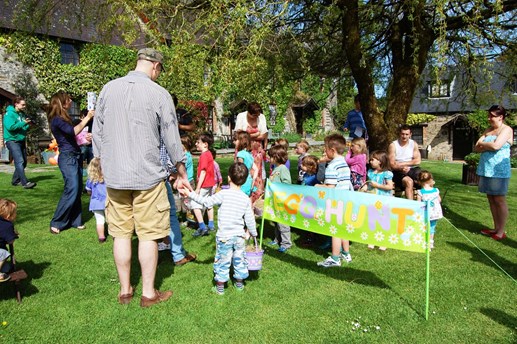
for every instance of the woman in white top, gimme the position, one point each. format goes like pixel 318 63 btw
pixel 254 122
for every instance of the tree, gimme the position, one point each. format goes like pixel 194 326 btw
pixel 256 47
pixel 25 87
pixel 396 40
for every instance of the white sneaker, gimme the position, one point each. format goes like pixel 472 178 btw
pixel 163 246
pixel 346 257
pixel 329 262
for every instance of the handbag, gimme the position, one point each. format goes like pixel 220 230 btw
pixel 4 157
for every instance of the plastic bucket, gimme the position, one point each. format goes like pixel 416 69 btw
pixel 254 258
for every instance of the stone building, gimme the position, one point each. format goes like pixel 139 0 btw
pixel 449 137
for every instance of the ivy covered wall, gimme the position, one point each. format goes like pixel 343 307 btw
pixel 190 73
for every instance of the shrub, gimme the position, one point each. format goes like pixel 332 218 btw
pixel 472 159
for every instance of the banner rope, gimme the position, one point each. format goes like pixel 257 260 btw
pixel 480 250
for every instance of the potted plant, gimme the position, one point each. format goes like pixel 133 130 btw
pixel 469 176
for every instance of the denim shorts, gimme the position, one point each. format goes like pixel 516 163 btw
pixel 493 186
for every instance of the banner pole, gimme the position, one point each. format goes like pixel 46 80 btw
pixel 262 222
pixel 428 259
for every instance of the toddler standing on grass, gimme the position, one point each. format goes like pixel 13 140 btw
pixel 310 170
pixel 97 190
pixel 235 213
pixel 285 144
pixel 356 160
pixel 189 166
pixel 205 182
pixel 7 235
pixel 337 175
pixel 429 193
pixel 380 179
pixel 218 178
pixel 278 156
pixel 243 146
pixel 302 148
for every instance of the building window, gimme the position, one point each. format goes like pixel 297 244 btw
pixel 513 85
pixel 417 134
pixel 439 90
pixel 69 54
pixel 74 111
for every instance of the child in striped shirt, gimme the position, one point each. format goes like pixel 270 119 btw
pixel 235 212
pixel 337 175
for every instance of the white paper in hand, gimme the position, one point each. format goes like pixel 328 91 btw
pixel 358 132
pixel 92 100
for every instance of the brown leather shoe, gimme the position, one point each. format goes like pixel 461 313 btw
pixel 125 299
pixel 160 296
pixel 188 258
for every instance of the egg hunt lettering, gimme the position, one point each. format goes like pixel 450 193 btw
pixel 375 215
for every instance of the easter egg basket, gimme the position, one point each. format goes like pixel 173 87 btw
pixel 254 256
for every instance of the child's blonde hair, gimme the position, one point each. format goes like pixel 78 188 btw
pixel 361 143
pixel 244 141
pixel 7 208
pixel 304 145
pixel 95 171
pixel 424 176
pixel 310 162
pixel 337 142
pixel 282 142
pixel 382 156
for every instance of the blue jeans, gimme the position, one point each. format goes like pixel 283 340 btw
pixel 230 252
pixel 68 212
pixel 18 151
pixel 177 250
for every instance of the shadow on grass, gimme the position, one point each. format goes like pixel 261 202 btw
pixel 477 256
pixel 37 178
pixel 344 273
pixel 462 222
pixel 500 317
pixel 34 271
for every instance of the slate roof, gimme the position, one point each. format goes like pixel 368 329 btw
pixel 63 19
pixel 493 86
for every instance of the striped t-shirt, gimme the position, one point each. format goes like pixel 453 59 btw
pixel 234 212
pixel 338 173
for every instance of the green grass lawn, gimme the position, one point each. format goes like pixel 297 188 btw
pixel 71 293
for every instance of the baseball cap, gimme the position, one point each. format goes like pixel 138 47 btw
pixel 150 54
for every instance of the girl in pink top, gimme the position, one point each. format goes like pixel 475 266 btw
pixel 356 160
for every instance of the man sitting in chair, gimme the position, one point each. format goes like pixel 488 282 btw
pixel 404 159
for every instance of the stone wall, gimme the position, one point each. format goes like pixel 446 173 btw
pixel 436 135
pixel 10 69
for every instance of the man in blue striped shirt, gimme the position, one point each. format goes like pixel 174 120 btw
pixel 133 114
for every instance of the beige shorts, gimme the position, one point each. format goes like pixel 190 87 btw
pixel 146 212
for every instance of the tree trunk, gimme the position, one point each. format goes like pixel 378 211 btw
pixel 362 74
pixel 409 43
